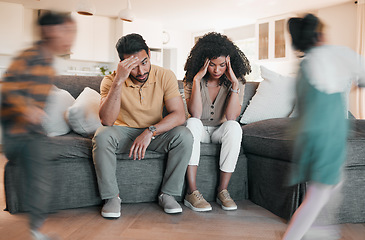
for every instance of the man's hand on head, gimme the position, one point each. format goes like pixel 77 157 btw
pixel 125 67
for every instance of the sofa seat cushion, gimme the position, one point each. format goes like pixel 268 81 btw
pixel 210 149
pixel 149 155
pixel 268 138
pixel 77 146
pixel 271 138
pixel 73 145
pixel 356 143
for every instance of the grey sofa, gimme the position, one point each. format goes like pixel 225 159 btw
pixel 268 148
pixel 139 181
pixel 262 169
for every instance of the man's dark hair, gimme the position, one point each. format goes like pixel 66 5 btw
pixel 54 18
pixel 129 44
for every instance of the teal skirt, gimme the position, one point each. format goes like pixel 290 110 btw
pixel 321 136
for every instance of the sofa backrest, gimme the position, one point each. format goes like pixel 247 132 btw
pixel 76 84
pixel 250 90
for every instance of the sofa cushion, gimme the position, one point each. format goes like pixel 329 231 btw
pixel 83 115
pixel 57 103
pixel 269 138
pixel 74 146
pixel 250 90
pixel 210 149
pixel 274 98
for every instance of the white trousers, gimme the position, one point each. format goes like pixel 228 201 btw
pixel 229 134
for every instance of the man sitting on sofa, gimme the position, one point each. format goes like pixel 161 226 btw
pixel 132 100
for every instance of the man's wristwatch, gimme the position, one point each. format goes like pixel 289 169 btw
pixel 153 130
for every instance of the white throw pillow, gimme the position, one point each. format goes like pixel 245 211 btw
pixel 83 115
pixel 57 103
pixel 295 112
pixel 274 98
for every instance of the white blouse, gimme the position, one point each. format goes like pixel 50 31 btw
pixel 332 69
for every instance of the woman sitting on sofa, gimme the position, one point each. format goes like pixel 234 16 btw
pixel 214 85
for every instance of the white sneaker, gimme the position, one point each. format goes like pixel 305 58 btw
pixel 169 204
pixel 111 208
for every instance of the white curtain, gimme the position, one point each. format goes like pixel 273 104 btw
pixel 358 94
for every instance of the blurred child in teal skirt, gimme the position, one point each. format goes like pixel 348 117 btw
pixel 324 80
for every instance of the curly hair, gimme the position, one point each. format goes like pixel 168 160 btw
pixel 213 45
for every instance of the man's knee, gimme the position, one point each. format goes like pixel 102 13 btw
pixel 184 134
pixel 102 136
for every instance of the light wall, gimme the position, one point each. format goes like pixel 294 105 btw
pixel 341 30
pixel 182 42
pixel 239 33
pixel 340 21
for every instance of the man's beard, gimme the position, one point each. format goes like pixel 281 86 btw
pixel 139 80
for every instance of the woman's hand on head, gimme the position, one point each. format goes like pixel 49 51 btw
pixel 203 71
pixel 229 72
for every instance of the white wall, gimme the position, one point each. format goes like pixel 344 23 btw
pixel 31 31
pixel 17 42
pixel 340 23
pixel 341 30
pixel 239 33
pixel 11 27
pixel 149 30
pixel 182 41
pixel 170 59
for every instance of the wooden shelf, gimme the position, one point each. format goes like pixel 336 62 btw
pixel 263 41
pixel 273 38
pixel 279 38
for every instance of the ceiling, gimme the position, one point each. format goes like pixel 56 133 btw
pixel 191 15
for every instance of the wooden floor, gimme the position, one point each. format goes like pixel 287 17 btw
pixel 147 221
